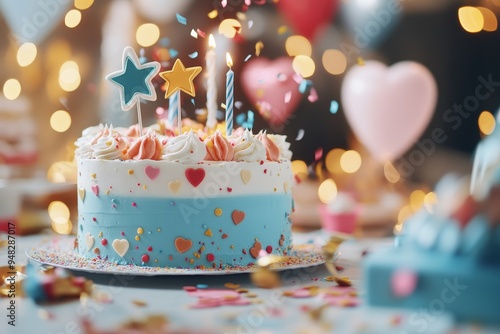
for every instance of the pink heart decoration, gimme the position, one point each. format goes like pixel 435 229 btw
pixel 95 190
pixel 388 108
pixel 403 283
pixel 152 172
pixel 270 86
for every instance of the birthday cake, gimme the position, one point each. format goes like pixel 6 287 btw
pixel 182 201
pixel 447 260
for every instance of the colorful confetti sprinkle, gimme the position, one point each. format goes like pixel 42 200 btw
pixel 213 14
pixel 181 19
pixel 58 251
pixel 258 48
pixel 334 107
pixel 193 56
pixel 247 58
pixel 313 95
pixel 300 135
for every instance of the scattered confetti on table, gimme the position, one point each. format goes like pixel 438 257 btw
pixel 58 251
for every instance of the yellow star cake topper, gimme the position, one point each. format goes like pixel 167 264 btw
pixel 181 78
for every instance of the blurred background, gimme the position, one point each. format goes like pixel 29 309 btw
pixel 55 54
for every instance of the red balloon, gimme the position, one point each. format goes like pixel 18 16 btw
pixel 307 17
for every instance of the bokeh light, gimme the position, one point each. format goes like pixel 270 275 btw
pixel 417 198
pixel 334 61
pixel 147 34
pixel 73 18
pixel 332 160
pixel 304 66
pixel 490 20
pixel 59 214
pixel 486 122
pixel 83 4
pixel 430 200
pixel 26 54
pixel 391 173
pixel 69 76
pixel 405 213
pixel 229 28
pixel 327 191
pixel 299 168
pixel 471 19
pixel 11 89
pixel 297 45
pixel 60 121
pixel 350 161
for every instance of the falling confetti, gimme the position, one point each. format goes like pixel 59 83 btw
pixel 173 53
pixel 282 30
pixel 193 55
pixel 247 57
pixel 300 135
pixel 313 95
pixel 201 33
pixel 250 24
pixel 213 14
pixel 194 33
pixel 181 19
pixel 334 107
pixel 304 86
pixel 258 48
pixel 288 96
pixel 318 154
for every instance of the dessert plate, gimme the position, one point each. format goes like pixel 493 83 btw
pixel 58 252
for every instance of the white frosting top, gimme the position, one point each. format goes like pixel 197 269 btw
pixel 186 148
pixel 84 143
pixel 283 145
pixel 111 145
pixel 248 148
pixel 100 142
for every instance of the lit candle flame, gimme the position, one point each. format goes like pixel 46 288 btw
pixel 211 42
pixel 229 60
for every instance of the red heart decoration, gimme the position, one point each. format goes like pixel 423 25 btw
pixel 237 216
pixel 195 176
pixel 270 86
pixel 255 250
pixel 182 245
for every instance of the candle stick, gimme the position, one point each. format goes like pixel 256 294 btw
pixel 177 79
pixel 211 84
pixel 229 96
pixel 179 113
pixel 173 107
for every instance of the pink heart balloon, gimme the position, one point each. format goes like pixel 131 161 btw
pixel 388 108
pixel 270 86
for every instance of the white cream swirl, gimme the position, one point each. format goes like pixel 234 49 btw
pixel 84 143
pixel 110 146
pixel 248 148
pixel 283 145
pixel 186 148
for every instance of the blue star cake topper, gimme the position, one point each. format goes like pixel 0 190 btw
pixel 134 79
